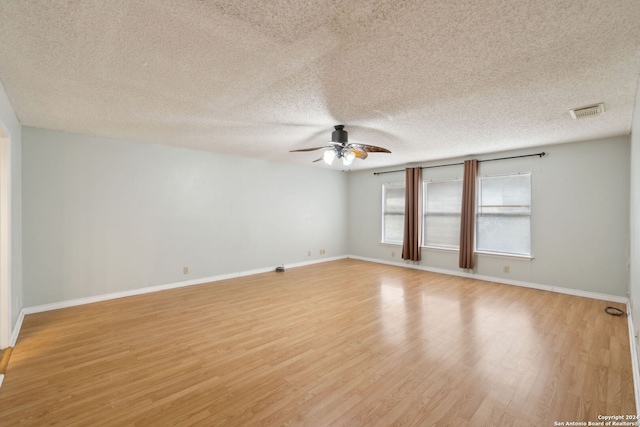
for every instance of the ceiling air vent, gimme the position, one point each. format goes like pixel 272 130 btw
pixel 591 110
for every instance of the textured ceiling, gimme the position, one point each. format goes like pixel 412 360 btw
pixel 426 79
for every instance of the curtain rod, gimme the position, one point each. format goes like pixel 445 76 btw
pixel 462 163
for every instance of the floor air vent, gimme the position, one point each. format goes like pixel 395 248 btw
pixel 591 110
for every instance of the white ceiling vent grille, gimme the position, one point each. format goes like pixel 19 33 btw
pixel 589 111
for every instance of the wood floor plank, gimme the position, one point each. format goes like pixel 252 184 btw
pixel 344 343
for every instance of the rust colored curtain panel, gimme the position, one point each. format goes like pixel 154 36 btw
pixel 468 214
pixel 412 214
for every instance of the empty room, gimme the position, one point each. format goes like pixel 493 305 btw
pixel 362 213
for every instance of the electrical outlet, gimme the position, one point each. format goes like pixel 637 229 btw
pixel 308 253
pixel 321 251
pixel 393 253
pixel 505 269
pixel 185 270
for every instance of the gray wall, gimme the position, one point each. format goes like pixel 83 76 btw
pixel 12 125
pixel 103 215
pixel 634 282
pixel 579 225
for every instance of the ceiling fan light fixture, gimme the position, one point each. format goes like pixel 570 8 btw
pixel 342 149
pixel 347 159
pixel 328 156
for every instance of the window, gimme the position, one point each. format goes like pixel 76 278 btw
pixel 503 215
pixel 393 213
pixel 441 213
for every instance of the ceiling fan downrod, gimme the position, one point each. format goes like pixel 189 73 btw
pixel 340 135
pixel 341 148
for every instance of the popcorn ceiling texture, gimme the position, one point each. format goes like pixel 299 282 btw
pixel 426 79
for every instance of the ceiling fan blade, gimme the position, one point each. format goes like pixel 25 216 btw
pixel 341 148
pixel 309 149
pixel 360 154
pixel 373 148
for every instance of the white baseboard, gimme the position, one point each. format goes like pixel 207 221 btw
pixel 316 261
pixel 576 292
pixel 634 358
pixel 174 285
pixel 16 329
pixel 157 288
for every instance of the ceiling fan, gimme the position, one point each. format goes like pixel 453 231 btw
pixel 342 149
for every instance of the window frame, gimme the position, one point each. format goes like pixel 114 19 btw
pixel 386 185
pixel 425 212
pixel 529 215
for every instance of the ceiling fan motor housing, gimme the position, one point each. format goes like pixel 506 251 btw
pixel 339 135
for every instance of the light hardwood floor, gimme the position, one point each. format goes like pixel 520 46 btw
pixel 341 343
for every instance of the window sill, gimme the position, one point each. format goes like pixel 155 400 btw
pixel 432 248
pixel 488 254
pixel 499 255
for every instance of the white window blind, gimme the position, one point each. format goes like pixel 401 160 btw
pixel 393 213
pixel 441 221
pixel 503 215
